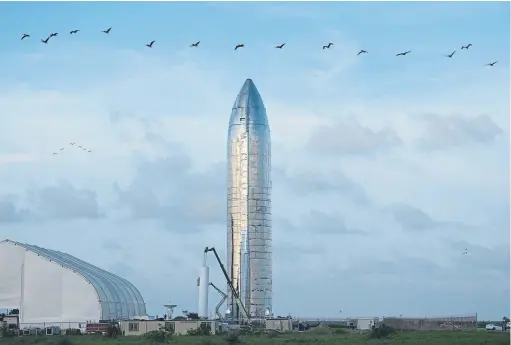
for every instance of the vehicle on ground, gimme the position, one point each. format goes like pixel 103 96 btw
pixel 493 327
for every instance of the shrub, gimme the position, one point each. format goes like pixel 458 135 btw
pixel 304 341
pixel 8 333
pixel 201 331
pixel 337 325
pixel 383 331
pixel 73 331
pixel 64 341
pixel 38 340
pixel 233 338
pixel 245 331
pixel 273 333
pixel 320 330
pixel 113 331
pixel 192 332
pixel 339 330
pixel 159 336
pixel 207 341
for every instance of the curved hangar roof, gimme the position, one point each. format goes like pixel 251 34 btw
pixel 118 298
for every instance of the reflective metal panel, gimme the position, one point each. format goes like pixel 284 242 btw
pixel 249 249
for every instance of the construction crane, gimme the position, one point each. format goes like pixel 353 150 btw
pixel 224 298
pixel 229 282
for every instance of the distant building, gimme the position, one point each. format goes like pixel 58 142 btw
pixel 50 286
pixel 10 321
pixel 367 323
pixel 182 327
pixel 177 327
pixel 279 324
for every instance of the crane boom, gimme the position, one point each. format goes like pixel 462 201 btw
pixel 229 282
pixel 219 305
pixel 218 290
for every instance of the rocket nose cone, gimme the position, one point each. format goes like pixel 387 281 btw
pixel 248 106
pixel 248 96
pixel 248 86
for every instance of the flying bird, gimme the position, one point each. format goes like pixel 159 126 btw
pixel 90 150
pixel 467 46
pixel 73 32
pixel 328 46
pixel 150 44
pixel 239 46
pixel 25 36
pixel 491 64
pixel 54 34
pixel 195 44
pixel 55 153
pixel 61 149
pixel 80 146
pixel 362 52
pixel 403 54
pixel 72 143
pixel 450 56
pixel 107 31
pixel 281 46
pixel 46 40
pixel 465 252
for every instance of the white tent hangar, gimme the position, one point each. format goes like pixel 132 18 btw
pixel 50 286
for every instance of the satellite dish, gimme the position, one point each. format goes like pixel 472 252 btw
pixel 170 310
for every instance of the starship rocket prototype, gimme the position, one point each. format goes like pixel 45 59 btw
pixel 249 228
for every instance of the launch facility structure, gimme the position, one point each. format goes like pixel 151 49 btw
pixel 50 286
pixel 249 227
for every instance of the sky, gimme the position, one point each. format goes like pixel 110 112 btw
pixel 385 168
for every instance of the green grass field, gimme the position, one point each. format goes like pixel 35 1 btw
pixel 411 338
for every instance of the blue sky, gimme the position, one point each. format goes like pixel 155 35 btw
pixel 412 151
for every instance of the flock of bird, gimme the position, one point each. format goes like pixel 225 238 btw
pixel 242 45
pixel 238 46
pixel 74 145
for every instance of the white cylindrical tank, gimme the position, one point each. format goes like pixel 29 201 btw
pixel 203 291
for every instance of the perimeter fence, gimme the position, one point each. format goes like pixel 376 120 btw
pixel 51 328
pixel 449 323
pixel 452 323
pixel 401 323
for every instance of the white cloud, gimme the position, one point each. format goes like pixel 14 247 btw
pixel 15 158
pixel 352 138
pixel 455 130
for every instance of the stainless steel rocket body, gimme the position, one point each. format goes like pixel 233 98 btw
pixel 249 227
